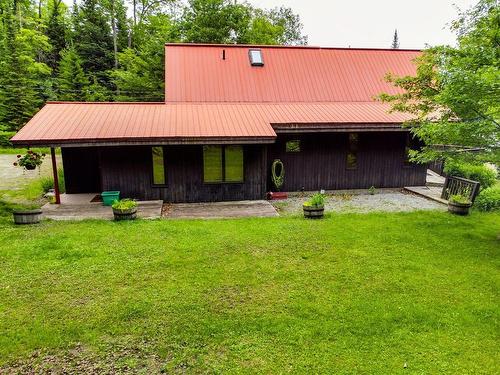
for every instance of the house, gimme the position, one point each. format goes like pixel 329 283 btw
pixel 229 112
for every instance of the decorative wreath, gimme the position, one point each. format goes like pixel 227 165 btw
pixel 278 173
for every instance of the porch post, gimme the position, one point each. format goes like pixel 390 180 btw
pixel 54 171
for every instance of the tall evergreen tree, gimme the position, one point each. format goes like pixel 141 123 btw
pixel 19 100
pixel 71 82
pixel 56 32
pixel 395 40
pixel 93 40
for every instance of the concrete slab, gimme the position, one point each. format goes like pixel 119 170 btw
pixel 82 211
pixel 434 179
pixel 220 210
pixel 430 192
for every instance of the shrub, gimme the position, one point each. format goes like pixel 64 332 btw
pixel 488 199
pixel 5 138
pixel 317 200
pixel 124 204
pixel 486 176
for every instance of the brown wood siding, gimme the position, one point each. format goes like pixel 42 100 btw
pixel 129 170
pixel 321 163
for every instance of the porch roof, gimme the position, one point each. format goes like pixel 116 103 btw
pixel 76 123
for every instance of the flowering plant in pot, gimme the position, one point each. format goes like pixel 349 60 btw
pixel 124 209
pixel 30 160
pixel 314 208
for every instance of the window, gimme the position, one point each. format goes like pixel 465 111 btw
pixel 222 164
pixel 352 153
pixel 158 166
pixel 255 57
pixel 292 146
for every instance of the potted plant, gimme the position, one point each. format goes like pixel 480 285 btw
pixel 314 208
pixel 30 160
pixel 27 216
pixel 459 204
pixel 124 209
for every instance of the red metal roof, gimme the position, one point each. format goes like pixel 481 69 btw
pixel 198 73
pixel 62 123
pixel 209 99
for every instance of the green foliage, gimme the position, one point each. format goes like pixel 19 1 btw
pixel 141 73
pixel 372 190
pixel 459 198
pixel 488 199
pixel 20 72
pixel 56 31
pixel 225 21
pixel 124 204
pixel 317 200
pixel 454 96
pixel 72 82
pixel 47 182
pixel 483 174
pixel 93 40
pixel 5 137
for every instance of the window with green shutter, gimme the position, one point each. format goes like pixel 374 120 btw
pixel 223 164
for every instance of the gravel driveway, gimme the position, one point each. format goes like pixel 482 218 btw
pixel 383 200
pixel 14 178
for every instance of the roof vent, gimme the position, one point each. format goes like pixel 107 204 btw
pixel 255 57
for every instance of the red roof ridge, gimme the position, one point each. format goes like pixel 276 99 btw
pixel 118 103
pixel 290 46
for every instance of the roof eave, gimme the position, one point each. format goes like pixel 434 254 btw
pixel 142 141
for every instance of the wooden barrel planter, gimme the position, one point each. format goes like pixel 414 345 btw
pixel 459 208
pixel 313 212
pixel 27 216
pixel 129 214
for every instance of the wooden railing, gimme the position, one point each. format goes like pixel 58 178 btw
pixel 458 185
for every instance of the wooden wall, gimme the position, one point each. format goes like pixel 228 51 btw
pixel 321 163
pixel 129 170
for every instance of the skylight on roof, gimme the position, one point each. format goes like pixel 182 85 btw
pixel 255 57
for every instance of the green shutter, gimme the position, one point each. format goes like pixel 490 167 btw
pixel 234 163
pixel 158 166
pixel 212 163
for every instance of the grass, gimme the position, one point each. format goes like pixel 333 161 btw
pixel 353 293
pixel 22 150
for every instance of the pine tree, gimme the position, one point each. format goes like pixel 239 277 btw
pixel 72 82
pixel 93 40
pixel 96 92
pixel 395 40
pixel 56 32
pixel 19 101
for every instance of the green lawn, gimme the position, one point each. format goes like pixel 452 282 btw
pixel 353 293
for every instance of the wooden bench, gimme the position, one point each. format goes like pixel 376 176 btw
pixel 458 185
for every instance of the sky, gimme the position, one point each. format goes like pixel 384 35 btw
pixel 371 23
